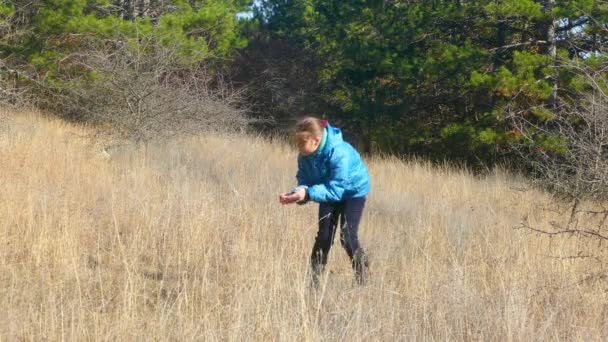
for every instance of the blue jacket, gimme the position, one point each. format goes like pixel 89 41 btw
pixel 335 172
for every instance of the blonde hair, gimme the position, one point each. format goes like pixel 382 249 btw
pixel 309 127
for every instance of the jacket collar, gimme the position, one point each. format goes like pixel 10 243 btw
pixel 323 141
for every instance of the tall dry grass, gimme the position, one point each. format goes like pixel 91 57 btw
pixel 186 241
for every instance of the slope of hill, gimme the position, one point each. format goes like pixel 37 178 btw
pixel 186 240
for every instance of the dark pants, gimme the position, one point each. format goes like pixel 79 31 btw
pixel 349 213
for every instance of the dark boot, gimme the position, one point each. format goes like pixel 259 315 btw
pixel 361 267
pixel 315 277
pixel 317 265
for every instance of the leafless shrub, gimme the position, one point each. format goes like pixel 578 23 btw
pixel 3 120
pixel 575 167
pixel 12 92
pixel 578 174
pixel 15 83
pixel 147 92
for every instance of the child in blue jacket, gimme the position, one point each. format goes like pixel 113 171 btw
pixel 331 172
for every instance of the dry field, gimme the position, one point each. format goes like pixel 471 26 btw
pixel 186 241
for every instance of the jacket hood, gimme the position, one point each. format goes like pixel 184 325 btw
pixel 334 137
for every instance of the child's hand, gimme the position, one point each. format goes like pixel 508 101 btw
pixel 292 197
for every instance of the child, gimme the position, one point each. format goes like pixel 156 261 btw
pixel 331 172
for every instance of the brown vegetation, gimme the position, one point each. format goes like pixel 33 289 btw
pixel 186 240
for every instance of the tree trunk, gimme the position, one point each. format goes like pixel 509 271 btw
pixel 552 51
pixel 143 7
pixel 127 9
pixel 501 32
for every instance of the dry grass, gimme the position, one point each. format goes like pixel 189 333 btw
pixel 187 241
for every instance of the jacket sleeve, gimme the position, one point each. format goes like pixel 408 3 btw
pixel 333 189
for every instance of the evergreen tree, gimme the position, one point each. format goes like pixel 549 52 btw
pixel 443 78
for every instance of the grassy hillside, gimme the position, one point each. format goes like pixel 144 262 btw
pixel 186 241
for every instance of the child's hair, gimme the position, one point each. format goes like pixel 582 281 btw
pixel 309 127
